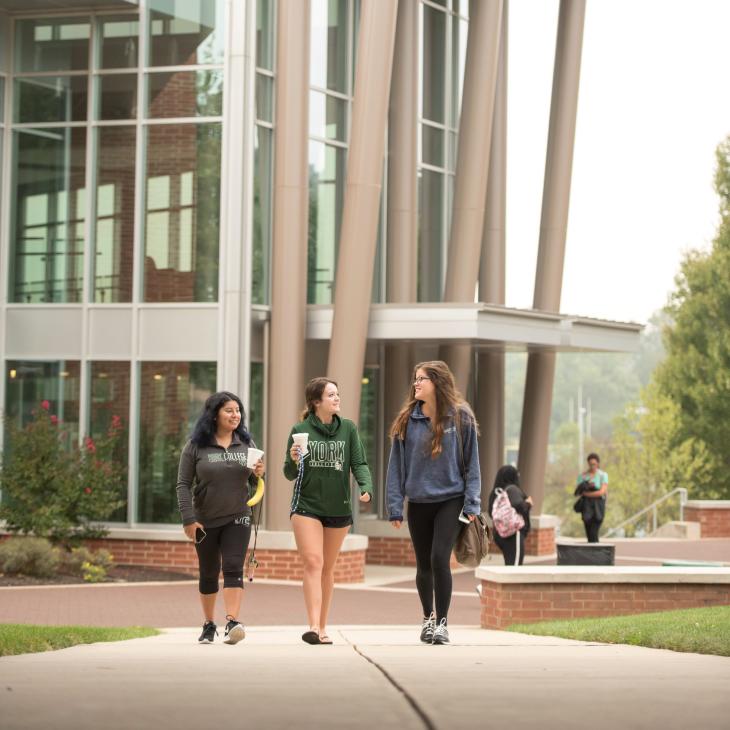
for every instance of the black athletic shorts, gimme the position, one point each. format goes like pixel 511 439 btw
pixel 345 521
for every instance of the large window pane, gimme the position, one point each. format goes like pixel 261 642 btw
pixel 430 236
pixel 117 96
pixel 52 44
pixel 4 42
pixel 114 245
pixel 369 419
pixel 29 383
pixel 118 41
pixel 49 169
pixel 459 31
pixel 185 32
pixel 51 99
pixel 327 116
pixel 265 34
pixel 182 213
pixel 434 64
pixel 255 406
pixel 185 94
pixel 329 44
pixel 433 146
pixel 326 194
pixel 171 399
pixel 264 98
pixel 109 410
pixel 262 211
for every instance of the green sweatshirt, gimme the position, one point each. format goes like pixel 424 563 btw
pixel 334 449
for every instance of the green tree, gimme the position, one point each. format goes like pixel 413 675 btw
pixel 648 460
pixel 695 376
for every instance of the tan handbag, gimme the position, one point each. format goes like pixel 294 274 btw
pixel 472 545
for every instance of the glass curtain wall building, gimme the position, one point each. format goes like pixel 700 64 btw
pixel 138 158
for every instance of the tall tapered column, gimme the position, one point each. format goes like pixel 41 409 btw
pixel 490 379
pixel 472 165
pixel 402 251
pixel 358 237
pixel 289 254
pixel 553 227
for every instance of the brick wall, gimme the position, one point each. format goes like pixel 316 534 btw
pixel 504 604
pixel 714 521
pixel 180 557
pixel 397 551
pixel 540 541
pixel 390 551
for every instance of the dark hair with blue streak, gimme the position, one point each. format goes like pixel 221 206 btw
pixel 204 429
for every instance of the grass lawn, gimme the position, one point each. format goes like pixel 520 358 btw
pixel 24 639
pixel 700 630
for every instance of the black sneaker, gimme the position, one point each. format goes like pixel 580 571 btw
pixel 440 633
pixel 234 632
pixel 427 628
pixel 210 631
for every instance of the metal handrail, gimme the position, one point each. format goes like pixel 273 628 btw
pixel 653 508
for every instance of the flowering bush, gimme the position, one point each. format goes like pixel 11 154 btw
pixel 58 492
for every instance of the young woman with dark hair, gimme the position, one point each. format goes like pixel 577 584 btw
pixel 512 547
pixel 434 461
pixel 321 507
pixel 212 489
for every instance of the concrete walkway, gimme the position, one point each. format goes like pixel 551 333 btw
pixel 373 677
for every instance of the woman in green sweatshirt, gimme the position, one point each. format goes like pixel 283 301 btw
pixel 321 507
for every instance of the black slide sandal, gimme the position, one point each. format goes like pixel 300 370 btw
pixel 311 637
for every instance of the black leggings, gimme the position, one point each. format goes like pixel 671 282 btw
pixel 512 547
pixel 592 529
pixel 228 544
pixel 434 527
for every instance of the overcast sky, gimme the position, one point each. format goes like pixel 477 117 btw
pixel 654 103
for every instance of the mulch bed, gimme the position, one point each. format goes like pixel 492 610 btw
pixel 118 574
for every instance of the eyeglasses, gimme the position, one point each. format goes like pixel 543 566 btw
pixel 204 535
pixel 420 379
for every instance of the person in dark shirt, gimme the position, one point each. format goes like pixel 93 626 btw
pixel 212 489
pixel 512 547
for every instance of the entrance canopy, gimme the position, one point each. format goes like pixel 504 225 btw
pixel 486 326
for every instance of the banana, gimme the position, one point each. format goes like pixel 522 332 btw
pixel 258 494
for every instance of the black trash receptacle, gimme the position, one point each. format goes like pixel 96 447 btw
pixel 582 553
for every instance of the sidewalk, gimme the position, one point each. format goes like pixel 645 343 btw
pixel 373 677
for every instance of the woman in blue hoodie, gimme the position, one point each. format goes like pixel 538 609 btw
pixel 434 461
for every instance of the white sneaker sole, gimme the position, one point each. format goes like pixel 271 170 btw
pixel 205 641
pixel 236 634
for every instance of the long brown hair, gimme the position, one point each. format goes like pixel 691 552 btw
pixel 449 403
pixel 313 392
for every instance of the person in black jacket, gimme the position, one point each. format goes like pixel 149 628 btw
pixel 213 484
pixel 512 547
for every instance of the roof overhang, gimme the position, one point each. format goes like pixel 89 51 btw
pixel 485 326
pixel 56 6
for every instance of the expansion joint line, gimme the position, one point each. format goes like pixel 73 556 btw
pixel 425 719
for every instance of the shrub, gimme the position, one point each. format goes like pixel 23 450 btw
pixel 33 556
pixel 91 565
pixel 92 573
pixel 57 491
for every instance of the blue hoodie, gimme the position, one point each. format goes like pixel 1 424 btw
pixel 414 474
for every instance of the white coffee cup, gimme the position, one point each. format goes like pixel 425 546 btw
pixel 301 440
pixel 254 456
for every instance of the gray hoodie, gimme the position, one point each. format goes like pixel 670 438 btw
pixel 213 483
pixel 414 474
